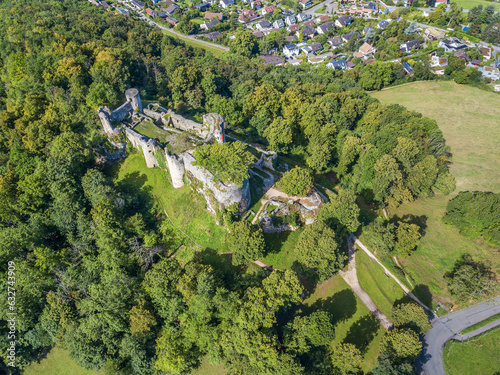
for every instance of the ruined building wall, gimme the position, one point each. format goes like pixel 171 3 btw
pixel 104 115
pixel 122 111
pixel 176 169
pixel 134 99
pixel 144 144
pixel 226 194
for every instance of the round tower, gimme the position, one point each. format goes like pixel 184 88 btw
pixel 133 97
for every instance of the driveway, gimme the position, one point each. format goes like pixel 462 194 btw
pixel 430 360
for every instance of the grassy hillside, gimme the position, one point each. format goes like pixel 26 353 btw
pixel 469 4
pixel 479 355
pixel 58 362
pixel 469 119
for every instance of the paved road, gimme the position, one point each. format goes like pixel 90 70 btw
pixel 318 6
pixel 430 361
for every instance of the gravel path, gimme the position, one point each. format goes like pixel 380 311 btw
pixel 351 278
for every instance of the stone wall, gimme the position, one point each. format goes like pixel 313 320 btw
pixel 156 115
pixel 134 99
pixel 146 145
pixel 176 169
pixel 225 194
pixel 122 111
pixel 105 117
pixel 212 127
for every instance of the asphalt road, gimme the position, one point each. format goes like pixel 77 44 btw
pixel 430 361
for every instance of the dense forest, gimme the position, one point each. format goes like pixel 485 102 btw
pixel 92 271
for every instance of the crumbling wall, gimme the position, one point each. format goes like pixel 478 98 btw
pixel 181 123
pixel 267 160
pixel 122 111
pixel 176 169
pixel 215 124
pixel 226 194
pixel 134 99
pixel 148 146
pixel 105 117
pixel 153 114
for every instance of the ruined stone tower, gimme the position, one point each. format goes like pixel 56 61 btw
pixel 133 97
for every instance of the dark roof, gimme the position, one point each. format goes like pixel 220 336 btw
pixel 350 34
pixel 265 24
pixel 335 41
pixel 309 31
pixel 475 61
pixel 172 8
pixel 327 26
pixel 338 64
pixel 314 47
pixel 407 46
pixel 371 5
pixel 407 67
pixel 350 64
pixel 368 28
pixel 344 20
pixel 214 35
pixel 275 60
pixel 104 4
pixel 257 33
pixel 383 24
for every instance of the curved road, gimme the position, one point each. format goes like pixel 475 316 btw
pixel 430 361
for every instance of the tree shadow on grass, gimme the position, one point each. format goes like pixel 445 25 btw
pixel 342 305
pixel 221 263
pixel 421 221
pixel 362 332
pixel 275 241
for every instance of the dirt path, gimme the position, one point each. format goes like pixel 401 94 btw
pixel 405 289
pixel 351 278
pixel 262 205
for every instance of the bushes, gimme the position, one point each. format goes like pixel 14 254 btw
pixel 297 182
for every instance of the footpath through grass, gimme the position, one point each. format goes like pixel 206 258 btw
pixel 58 362
pixel 478 355
pixel 468 118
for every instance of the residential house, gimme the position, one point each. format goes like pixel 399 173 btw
pixel 105 5
pixel 409 46
pixel 302 17
pixel 367 50
pixel 137 5
pixel 256 5
pixel 371 6
pixel 172 20
pixel 438 65
pixel 368 29
pixel 214 35
pixel 359 55
pixel 490 72
pixel 451 44
pixel 290 20
pixel 203 6
pixel 263 25
pixel 339 64
pixel 407 68
pixel 383 24
pixel 335 41
pixel 123 12
pixel 496 64
pixel 321 19
pixel 247 15
pixel 273 60
pixel 305 3
pixel 294 61
pixel 497 88
pixel 151 12
pixel 461 54
pixel 475 62
pixel 293 28
pixel 308 32
pixel 171 9
pixel 347 37
pixel 278 24
pixel 291 50
pixel 350 65
pixel 290 38
pixel 268 10
pixel 312 48
pixel 258 34
pixel 309 23
pixel 224 4
pixel 210 15
pixel 208 25
pixel 325 27
pixel 486 52
pixel 369 61
pixel 343 21
pixel 426 12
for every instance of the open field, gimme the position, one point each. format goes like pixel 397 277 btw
pixel 469 4
pixel 58 362
pixel 217 52
pixel 354 322
pixel 151 131
pixel 280 249
pixel 185 207
pixel 469 120
pixel 479 355
pixel 206 368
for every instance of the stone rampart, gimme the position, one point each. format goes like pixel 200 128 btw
pixel 122 111
pixel 176 168
pixel 146 145
pixel 226 194
pixel 105 117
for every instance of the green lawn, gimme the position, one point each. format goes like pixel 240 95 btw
pixel 468 118
pixel 186 208
pixel 151 131
pixel 217 52
pixel 479 355
pixel 280 249
pixel 354 322
pixel 206 368
pixel 469 4
pixel 491 319
pixel 383 290
pixel 58 362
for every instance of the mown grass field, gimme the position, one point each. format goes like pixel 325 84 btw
pixel 58 362
pixel 469 4
pixel 186 208
pixel 479 355
pixel 151 131
pixel 469 118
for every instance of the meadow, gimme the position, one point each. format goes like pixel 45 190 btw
pixel 468 118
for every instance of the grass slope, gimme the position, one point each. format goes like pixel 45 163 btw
pixel 186 208
pixel 58 362
pixel 479 355
pixel 468 118
pixel 354 322
pixel 469 4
